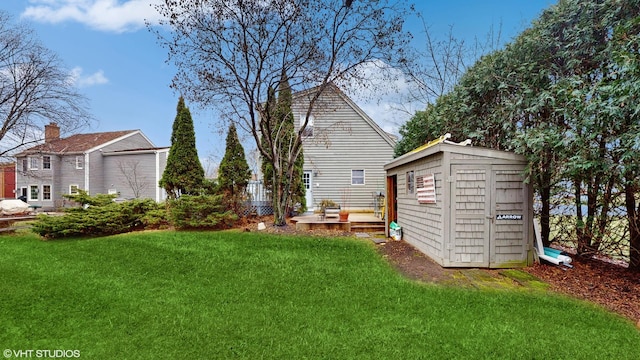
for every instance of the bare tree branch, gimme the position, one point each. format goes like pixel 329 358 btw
pixel 35 89
pixel 136 181
pixel 229 54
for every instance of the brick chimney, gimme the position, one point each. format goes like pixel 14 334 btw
pixel 51 132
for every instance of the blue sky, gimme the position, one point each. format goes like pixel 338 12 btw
pixel 121 69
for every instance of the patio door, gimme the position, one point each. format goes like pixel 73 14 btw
pixel 307 180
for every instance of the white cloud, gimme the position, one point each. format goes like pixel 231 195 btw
pixel 80 80
pixel 388 101
pixel 105 15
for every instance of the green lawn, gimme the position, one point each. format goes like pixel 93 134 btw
pixel 197 295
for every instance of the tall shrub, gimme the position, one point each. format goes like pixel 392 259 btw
pixel 234 172
pixel 282 134
pixel 184 173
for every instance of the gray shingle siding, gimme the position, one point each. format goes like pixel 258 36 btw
pixel 421 223
pixel 475 188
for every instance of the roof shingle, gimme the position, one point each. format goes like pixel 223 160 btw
pixel 76 143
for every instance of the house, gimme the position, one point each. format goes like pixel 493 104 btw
pixel 344 151
pixel 8 181
pixel 125 163
pixel 463 206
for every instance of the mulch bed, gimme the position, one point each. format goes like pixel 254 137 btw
pixel 613 286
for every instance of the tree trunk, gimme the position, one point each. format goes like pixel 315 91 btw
pixel 279 212
pixel 580 225
pixel 279 203
pixel 281 193
pixel 634 227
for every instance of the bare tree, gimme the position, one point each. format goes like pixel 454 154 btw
pixel 35 89
pixel 230 53
pixel 135 179
pixel 443 60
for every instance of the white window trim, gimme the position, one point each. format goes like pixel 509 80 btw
pixel 29 198
pixel 71 187
pixel 410 189
pixel 79 162
pixel 50 192
pixel 363 177
pixel 33 161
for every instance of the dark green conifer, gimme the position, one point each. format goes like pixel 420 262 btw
pixel 184 173
pixel 234 172
pixel 283 133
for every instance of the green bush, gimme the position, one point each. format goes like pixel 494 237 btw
pixel 156 218
pixel 83 198
pixel 107 219
pixel 199 212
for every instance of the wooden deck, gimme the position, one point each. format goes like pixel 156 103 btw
pixel 358 222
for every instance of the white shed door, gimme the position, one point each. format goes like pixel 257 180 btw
pixel 470 216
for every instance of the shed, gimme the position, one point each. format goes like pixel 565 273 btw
pixel 463 206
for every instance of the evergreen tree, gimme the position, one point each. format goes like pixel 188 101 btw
pixel 184 173
pixel 282 132
pixel 234 172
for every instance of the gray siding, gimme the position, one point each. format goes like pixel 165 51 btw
pixel 131 175
pixel 63 173
pixel 343 141
pixel 483 213
pixel 131 142
pixel 101 175
pixel 96 173
pixel 422 224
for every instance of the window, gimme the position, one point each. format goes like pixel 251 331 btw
pixel 46 162
pixel 25 165
pixel 73 189
pixel 33 163
pixel 79 162
pixel 46 192
pixel 33 192
pixel 357 177
pixel 308 131
pixel 410 182
pixel 306 180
